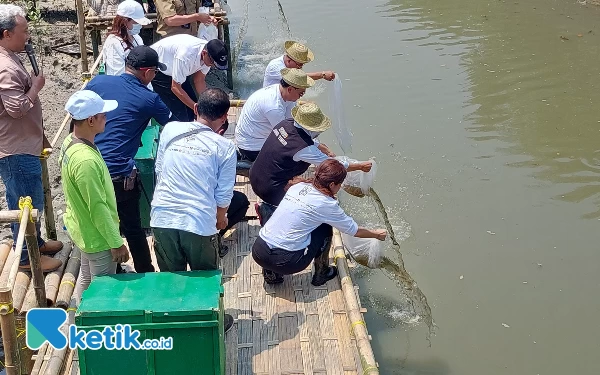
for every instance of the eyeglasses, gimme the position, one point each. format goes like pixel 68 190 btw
pixel 152 69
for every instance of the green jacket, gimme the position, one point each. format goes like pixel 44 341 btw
pixel 91 216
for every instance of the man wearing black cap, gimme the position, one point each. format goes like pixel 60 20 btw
pixel 188 59
pixel 121 139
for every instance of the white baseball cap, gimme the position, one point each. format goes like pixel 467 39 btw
pixel 85 103
pixel 132 9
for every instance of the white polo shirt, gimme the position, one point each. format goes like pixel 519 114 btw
pixel 262 111
pixel 300 212
pixel 181 54
pixel 273 71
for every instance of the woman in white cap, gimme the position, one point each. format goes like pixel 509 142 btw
pixel 300 229
pixel 123 36
pixel 91 216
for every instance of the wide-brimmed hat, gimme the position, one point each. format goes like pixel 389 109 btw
pixel 310 117
pixel 298 52
pixel 297 78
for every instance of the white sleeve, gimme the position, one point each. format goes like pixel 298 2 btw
pixel 275 116
pixel 337 218
pixel 180 70
pixel 114 56
pixel 310 154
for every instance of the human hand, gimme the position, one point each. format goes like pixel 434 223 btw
pixel 366 166
pixel 38 81
pixel 329 75
pixel 120 255
pixel 222 222
pixel 206 19
pixel 381 234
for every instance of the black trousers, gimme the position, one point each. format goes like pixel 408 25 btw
pixel 162 86
pixel 247 155
pixel 130 223
pixel 289 262
pixel 236 211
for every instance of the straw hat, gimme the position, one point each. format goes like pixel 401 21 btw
pixel 310 117
pixel 298 52
pixel 297 78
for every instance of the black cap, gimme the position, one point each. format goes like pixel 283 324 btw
pixel 218 53
pixel 144 57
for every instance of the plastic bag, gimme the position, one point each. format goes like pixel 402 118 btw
pixel 336 109
pixel 365 251
pixel 358 183
pixel 207 32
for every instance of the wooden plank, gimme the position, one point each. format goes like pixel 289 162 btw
pixel 274 360
pixel 244 361
pixel 316 342
pixel 245 275
pixel 258 297
pixel 332 357
pixel 336 296
pixel 325 315
pixel 260 360
pixel 271 318
pixel 342 332
pixel 286 300
pixel 244 322
pixel 289 345
pixel 231 351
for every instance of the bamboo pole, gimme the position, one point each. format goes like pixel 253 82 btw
pixel 241 102
pixel 48 208
pixel 19 247
pixel 53 278
pixel 150 16
pixel 12 216
pixel 67 285
pixel 6 270
pixel 82 42
pixel 227 41
pixel 55 363
pixel 29 302
pixel 5 249
pixel 20 289
pixel 36 265
pixel 39 359
pixel 12 361
pixel 25 353
pixel 358 325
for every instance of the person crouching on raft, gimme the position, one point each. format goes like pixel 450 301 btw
pixel 300 229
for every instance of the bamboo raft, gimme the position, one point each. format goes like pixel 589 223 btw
pixel 285 329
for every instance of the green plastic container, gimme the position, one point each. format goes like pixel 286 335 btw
pixel 145 161
pixel 187 306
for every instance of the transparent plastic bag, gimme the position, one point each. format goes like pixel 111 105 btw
pixel 207 32
pixel 336 109
pixel 358 183
pixel 365 251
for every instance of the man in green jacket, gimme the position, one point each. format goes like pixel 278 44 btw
pixel 91 216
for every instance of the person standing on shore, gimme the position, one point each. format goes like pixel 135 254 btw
pixel 188 60
pixel 121 138
pixel 91 214
pixel 295 56
pixel 123 36
pixel 180 17
pixel 22 137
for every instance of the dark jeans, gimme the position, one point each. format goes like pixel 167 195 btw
pixel 236 211
pixel 180 112
pixel 22 176
pixel 175 249
pixel 130 223
pixel 247 155
pixel 289 262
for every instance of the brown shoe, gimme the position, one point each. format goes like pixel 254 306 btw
pixel 48 264
pixel 51 247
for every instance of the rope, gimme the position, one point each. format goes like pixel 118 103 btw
pixel 25 202
pixel 7 305
pixel 68 282
pixel 357 323
pixel 369 369
pixel 72 309
pixel 337 256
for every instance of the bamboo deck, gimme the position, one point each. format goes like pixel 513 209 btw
pixel 285 329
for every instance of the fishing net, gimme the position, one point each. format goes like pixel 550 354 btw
pixel 358 183
pixel 365 251
pixel 336 109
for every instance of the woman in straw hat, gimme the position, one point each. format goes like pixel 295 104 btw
pixel 295 56
pixel 288 152
pixel 301 228
pixel 123 36
pixel 266 108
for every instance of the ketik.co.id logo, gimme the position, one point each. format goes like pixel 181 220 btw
pixel 45 325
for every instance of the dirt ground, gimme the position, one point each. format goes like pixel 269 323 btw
pixel 63 78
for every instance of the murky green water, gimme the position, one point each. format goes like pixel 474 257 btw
pixel 486 128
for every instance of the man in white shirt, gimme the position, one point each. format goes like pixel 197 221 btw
pixel 194 197
pixel 295 56
pixel 188 59
pixel 266 108
pixel 288 152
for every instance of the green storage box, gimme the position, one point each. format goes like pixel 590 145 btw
pixel 144 161
pixel 187 306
